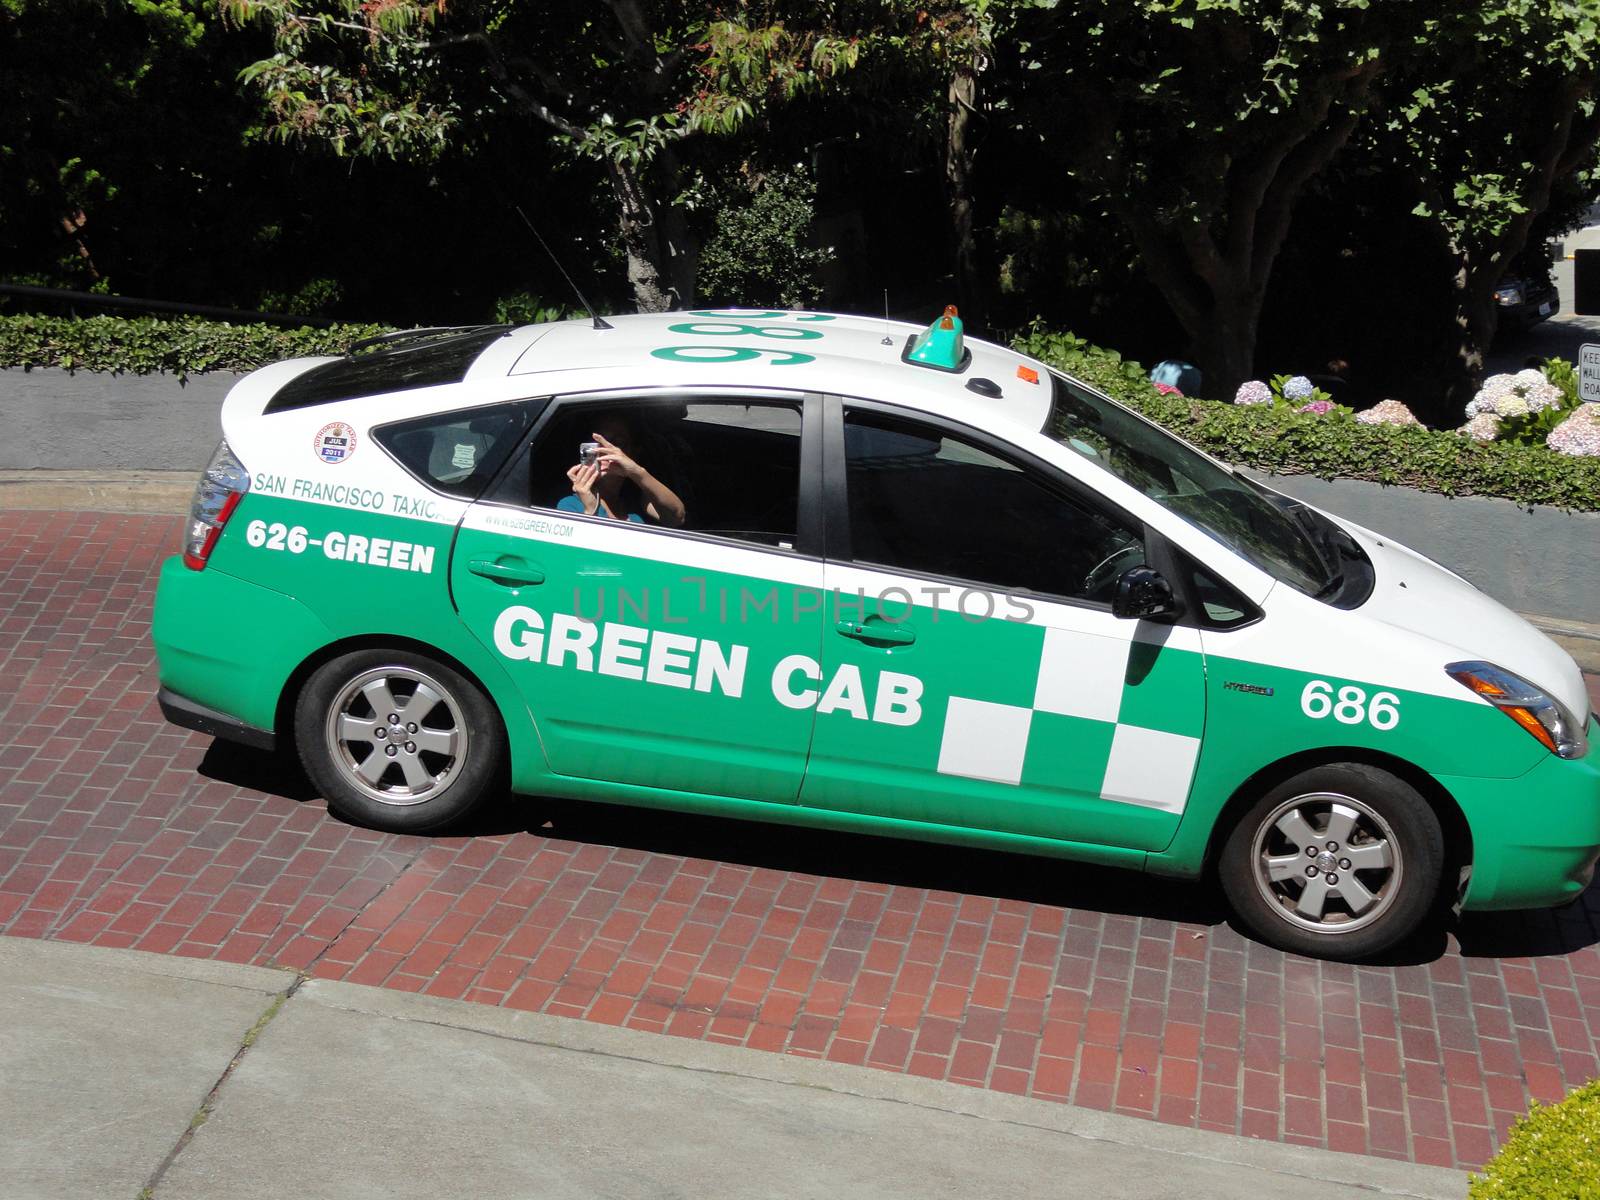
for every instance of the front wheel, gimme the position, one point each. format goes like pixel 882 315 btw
pixel 397 741
pixel 1339 862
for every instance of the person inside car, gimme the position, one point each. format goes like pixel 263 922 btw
pixel 614 485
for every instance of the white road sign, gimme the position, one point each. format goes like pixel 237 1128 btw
pixel 1589 372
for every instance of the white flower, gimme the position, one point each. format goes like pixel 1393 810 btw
pixel 1482 427
pixel 1253 391
pixel 1387 412
pixel 1578 434
pixel 1511 405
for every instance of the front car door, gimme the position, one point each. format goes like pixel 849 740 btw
pixel 642 645
pixel 972 675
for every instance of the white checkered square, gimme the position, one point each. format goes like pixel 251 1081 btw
pixel 1150 768
pixel 1081 675
pixel 984 741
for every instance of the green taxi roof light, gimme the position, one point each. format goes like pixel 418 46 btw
pixel 940 346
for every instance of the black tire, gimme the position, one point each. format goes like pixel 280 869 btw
pixel 432 770
pixel 1313 902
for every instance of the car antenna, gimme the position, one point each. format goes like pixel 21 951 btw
pixel 887 340
pixel 599 322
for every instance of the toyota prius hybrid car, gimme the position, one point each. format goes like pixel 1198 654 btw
pixel 833 571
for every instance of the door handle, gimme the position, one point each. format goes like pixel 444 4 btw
pixel 513 573
pixel 881 631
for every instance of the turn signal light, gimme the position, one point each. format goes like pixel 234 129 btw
pixel 1544 717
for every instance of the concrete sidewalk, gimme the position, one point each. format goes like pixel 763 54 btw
pixel 129 1074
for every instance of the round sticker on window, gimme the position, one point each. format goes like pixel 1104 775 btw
pixel 335 442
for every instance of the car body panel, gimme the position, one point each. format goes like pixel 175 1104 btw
pixel 1059 729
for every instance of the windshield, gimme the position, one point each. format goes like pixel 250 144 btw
pixel 1188 483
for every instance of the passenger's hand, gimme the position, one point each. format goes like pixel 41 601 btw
pixel 613 461
pixel 584 476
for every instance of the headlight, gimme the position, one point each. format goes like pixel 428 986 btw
pixel 1540 713
pixel 1508 295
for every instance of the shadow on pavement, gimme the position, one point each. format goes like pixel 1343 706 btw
pixel 276 772
pixel 1537 933
pixel 957 869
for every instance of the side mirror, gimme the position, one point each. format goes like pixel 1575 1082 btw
pixel 1143 594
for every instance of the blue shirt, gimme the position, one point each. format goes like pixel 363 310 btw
pixel 573 504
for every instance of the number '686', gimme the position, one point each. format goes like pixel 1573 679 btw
pixel 1351 706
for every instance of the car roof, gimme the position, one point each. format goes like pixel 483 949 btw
pixel 833 353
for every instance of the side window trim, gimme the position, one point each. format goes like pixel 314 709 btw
pixel 808 535
pixel 838 500
pixel 539 405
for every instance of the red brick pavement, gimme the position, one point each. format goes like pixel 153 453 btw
pixel 1058 981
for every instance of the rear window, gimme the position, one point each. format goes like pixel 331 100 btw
pixel 459 452
pixel 413 364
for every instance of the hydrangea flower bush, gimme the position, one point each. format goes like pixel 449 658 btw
pixel 1528 391
pixel 1579 434
pixel 1297 387
pixel 1387 412
pixel 1525 407
pixel 1253 391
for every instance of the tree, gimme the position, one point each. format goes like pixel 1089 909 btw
pixel 1491 117
pixel 76 71
pixel 920 60
pixel 1198 124
pixel 413 78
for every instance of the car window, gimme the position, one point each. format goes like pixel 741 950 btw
pixel 426 359
pixel 1186 482
pixel 732 465
pixel 457 452
pixel 925 501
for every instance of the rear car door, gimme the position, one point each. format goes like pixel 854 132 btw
pixel 975 584
pixel 644 651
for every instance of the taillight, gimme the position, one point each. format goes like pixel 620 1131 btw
pixel 222 485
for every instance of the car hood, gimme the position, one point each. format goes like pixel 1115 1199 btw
pixel 1414 593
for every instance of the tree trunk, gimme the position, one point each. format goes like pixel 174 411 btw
pixel 1223 340
pixel 655 240
pixel 958 162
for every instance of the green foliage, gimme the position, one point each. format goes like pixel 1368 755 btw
pixel 524 308
pixel 311 299
pixel 758 254
pixel 145 345
pixel 1333 446
pixel 1553 1153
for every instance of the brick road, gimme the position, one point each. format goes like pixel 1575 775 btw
pixel 1059 981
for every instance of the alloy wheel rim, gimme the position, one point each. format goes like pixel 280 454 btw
pixel 397 734
pixel 1327 862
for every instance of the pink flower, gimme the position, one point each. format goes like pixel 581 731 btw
pixel 1166 389
pixel 1319 407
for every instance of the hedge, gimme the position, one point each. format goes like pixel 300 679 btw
pixel 182 346
pixel 1552 1154
pixel 1334 446
pixel 1269 438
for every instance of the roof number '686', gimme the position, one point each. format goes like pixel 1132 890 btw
pixel 1351 706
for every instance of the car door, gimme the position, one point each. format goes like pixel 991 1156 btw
pixel 644 649
pixel 974 584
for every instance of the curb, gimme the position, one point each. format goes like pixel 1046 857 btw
pixel 160 492
pixel 1389 1177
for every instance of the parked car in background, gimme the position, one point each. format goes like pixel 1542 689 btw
pixel 1526 300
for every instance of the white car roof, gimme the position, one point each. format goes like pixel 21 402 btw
pixel 848 355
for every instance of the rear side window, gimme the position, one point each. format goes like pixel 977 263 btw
pixel 459 452
pixel 413 364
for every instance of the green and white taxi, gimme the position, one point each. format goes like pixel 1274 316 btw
pixel 832 571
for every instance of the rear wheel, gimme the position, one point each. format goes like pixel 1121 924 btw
pixel 1339 862
pixel 398 741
